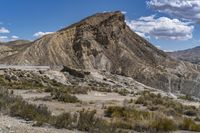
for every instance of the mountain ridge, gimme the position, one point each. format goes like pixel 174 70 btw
pixel 104 42
pixel 190 55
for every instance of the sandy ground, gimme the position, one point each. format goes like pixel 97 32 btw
pixel 13 125
pixel 92 100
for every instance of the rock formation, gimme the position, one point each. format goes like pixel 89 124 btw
pixel 104 42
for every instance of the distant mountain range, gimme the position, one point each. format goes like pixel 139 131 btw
pixel 104 42
pixel 191 55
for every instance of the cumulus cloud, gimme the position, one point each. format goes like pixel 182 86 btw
pixel 142 35
pixel 158 46
pixel 7 38
pixel 3 38
pixel 40 34
pixel 4 30
pixel 123 12
pixel 184 9
pixel 162 27
pixel 14 38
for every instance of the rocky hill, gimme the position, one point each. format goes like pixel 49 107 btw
pixel 190 55
pixel 104 42
pixel 96 42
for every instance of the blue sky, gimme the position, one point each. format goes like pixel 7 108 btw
pixel 22 19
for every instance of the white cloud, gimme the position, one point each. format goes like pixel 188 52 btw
pixel 162 27
pixel 158 46
pixel 14 38
pixel 3 38
pixel 40 34
pixel 168 50
pixel 184 9
pixel 142 35
pixel 7 39
pixel 124 12
pixel 4 30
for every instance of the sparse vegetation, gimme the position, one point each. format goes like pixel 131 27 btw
pixel 65 120
pixel 156 117
pixel 64 96
pixel 122 92
pixel 27 111
pixel 119 119
pixel 189 124
pixel 152 118
pixel 17 107
pixel 163 124
pixel 186 97
pixel 139 120
pixel 169 106
pixel 69 89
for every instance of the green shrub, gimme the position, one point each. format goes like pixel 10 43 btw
pixel 83 120
pixel 189 124
pixel 139 120
pixel 114 111
pixel 89 123
pixel 123 92
pixel 77 89
pixel 87 120
pixel 186 97
pixel 70 89
pixel 156 100
pixel 127 113
pixel 28 111
pixel 5 99
pixel 64 96
pixel 65 120
pixel 163 124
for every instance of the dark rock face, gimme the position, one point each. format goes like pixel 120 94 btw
pixel 74 72
pixel 104 42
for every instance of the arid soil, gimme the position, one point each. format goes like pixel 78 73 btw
pixel 93 100
pixel 14 125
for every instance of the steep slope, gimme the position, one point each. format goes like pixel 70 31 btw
pixel 190 55
pixel 95 42
pixel 104 42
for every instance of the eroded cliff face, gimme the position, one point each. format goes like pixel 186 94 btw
pixel 104 42
pixel 96 42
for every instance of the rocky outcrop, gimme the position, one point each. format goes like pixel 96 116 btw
pixel 74 72
pixel 104 42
